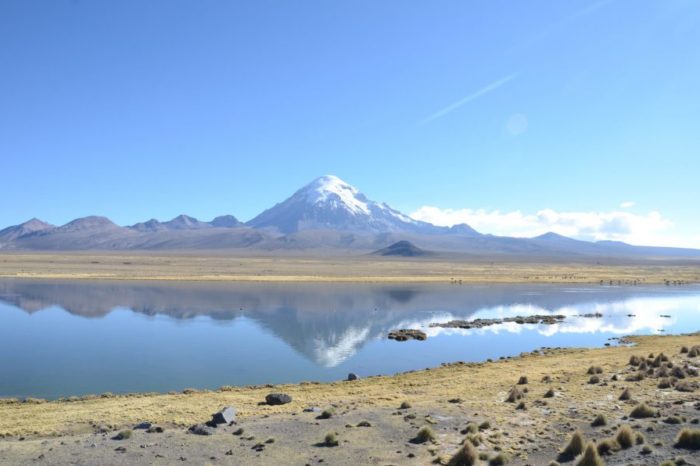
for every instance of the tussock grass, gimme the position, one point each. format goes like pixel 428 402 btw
pixel 625 437
pixel 522 380
pixel 594 370
pixel 607 446
pixel 514 395
pixel 425 434
pixel 123 435
pixel 689 439
pixel 498 460
pixel 594 380
pixel 642 411
pixel 625 395
pixel 331 439
pixel 599 420
pixel 549 393
pixel 405 405
pixel 467 455
pixel 590 457
pixel 575 446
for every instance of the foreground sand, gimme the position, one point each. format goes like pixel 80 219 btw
pixel 218 267
pixel 446 398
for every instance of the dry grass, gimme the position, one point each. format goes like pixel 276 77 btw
pixel 482 387
pixel 222 266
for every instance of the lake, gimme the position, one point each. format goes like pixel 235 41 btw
pixel 73 338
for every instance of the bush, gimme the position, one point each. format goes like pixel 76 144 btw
pixel 425 434
pixel 467 455
pixel 331 439
pixel 590 457
pixel 642 411
pixel 607 446
pixel 625 395
pixel 625 437
pixel 575 446
pixel 514 395
pixel 599 421
pixel 688 438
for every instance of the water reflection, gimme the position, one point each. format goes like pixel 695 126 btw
pixel 330 323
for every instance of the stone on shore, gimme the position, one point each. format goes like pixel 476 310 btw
pixel 274 399
pixel 226 416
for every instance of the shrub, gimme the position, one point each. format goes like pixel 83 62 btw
pixel 485 425
pixel 123 435
pixel 688 438
pixel 594 370
pixel 590 457
pixel 594 380
pixel 673 420
pixel 467 455
pixel 331 439
pixel 639 438
pixel 405 405
pixel 607 446
pixel 625 437
pixel 514 395
pixel 522 380
pixel 599 421
pixel 647 450
pixel 625 395
pixel 575 446
pixel 471 428
pixel 425 434
pixel 327 413
pixel 642 410
pixel 684 349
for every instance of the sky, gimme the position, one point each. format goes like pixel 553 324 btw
pixel 579 117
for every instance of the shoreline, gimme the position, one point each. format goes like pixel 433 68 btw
pixel 345 269
pixel 445 398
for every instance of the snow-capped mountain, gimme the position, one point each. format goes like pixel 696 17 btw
pixel 329 203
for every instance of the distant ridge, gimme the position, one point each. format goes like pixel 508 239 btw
pixel 402 249
pixel 326 216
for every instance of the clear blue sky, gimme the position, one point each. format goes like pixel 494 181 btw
pixel 134 109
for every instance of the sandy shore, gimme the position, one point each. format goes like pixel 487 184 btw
pixel 447 399
pixel 213 267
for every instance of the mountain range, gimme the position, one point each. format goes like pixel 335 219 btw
pixel 326 216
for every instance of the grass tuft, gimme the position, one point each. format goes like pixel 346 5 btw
pixel 467 455
pixel 625 437
pixel 425 434
pixel 331 439
pixel 599 420
pixel 689 439
pixel 642 411
pixel 575 446
pixel 625 395
pixel 590 457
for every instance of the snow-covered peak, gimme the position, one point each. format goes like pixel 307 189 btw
pixel 334 192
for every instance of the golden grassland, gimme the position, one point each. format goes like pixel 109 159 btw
pixel 481 387
pixel 363 268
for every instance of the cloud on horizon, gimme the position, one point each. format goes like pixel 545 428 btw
pixel 651 229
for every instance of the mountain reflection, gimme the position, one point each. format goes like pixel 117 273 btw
pixel 328 323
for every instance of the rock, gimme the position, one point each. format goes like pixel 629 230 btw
pixel 155 430
pixel 143 426
pixel 278 399
pixel 226 416
pixel 312 409
pixel 407 334
pixel 352 376
pixel 480 323
pixel 202 429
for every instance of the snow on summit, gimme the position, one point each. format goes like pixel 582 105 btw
pixel 336 193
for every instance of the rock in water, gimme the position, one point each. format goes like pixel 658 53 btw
pixel 352 376
pixel 278 399
pixel 226 416
pixel 202 429
pixel 407 334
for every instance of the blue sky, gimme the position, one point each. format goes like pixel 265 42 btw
pixel 498 112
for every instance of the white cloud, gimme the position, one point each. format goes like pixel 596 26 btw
pixel 627 205
pixel 651 229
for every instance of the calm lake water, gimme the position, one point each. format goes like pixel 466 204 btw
pixel 72 338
